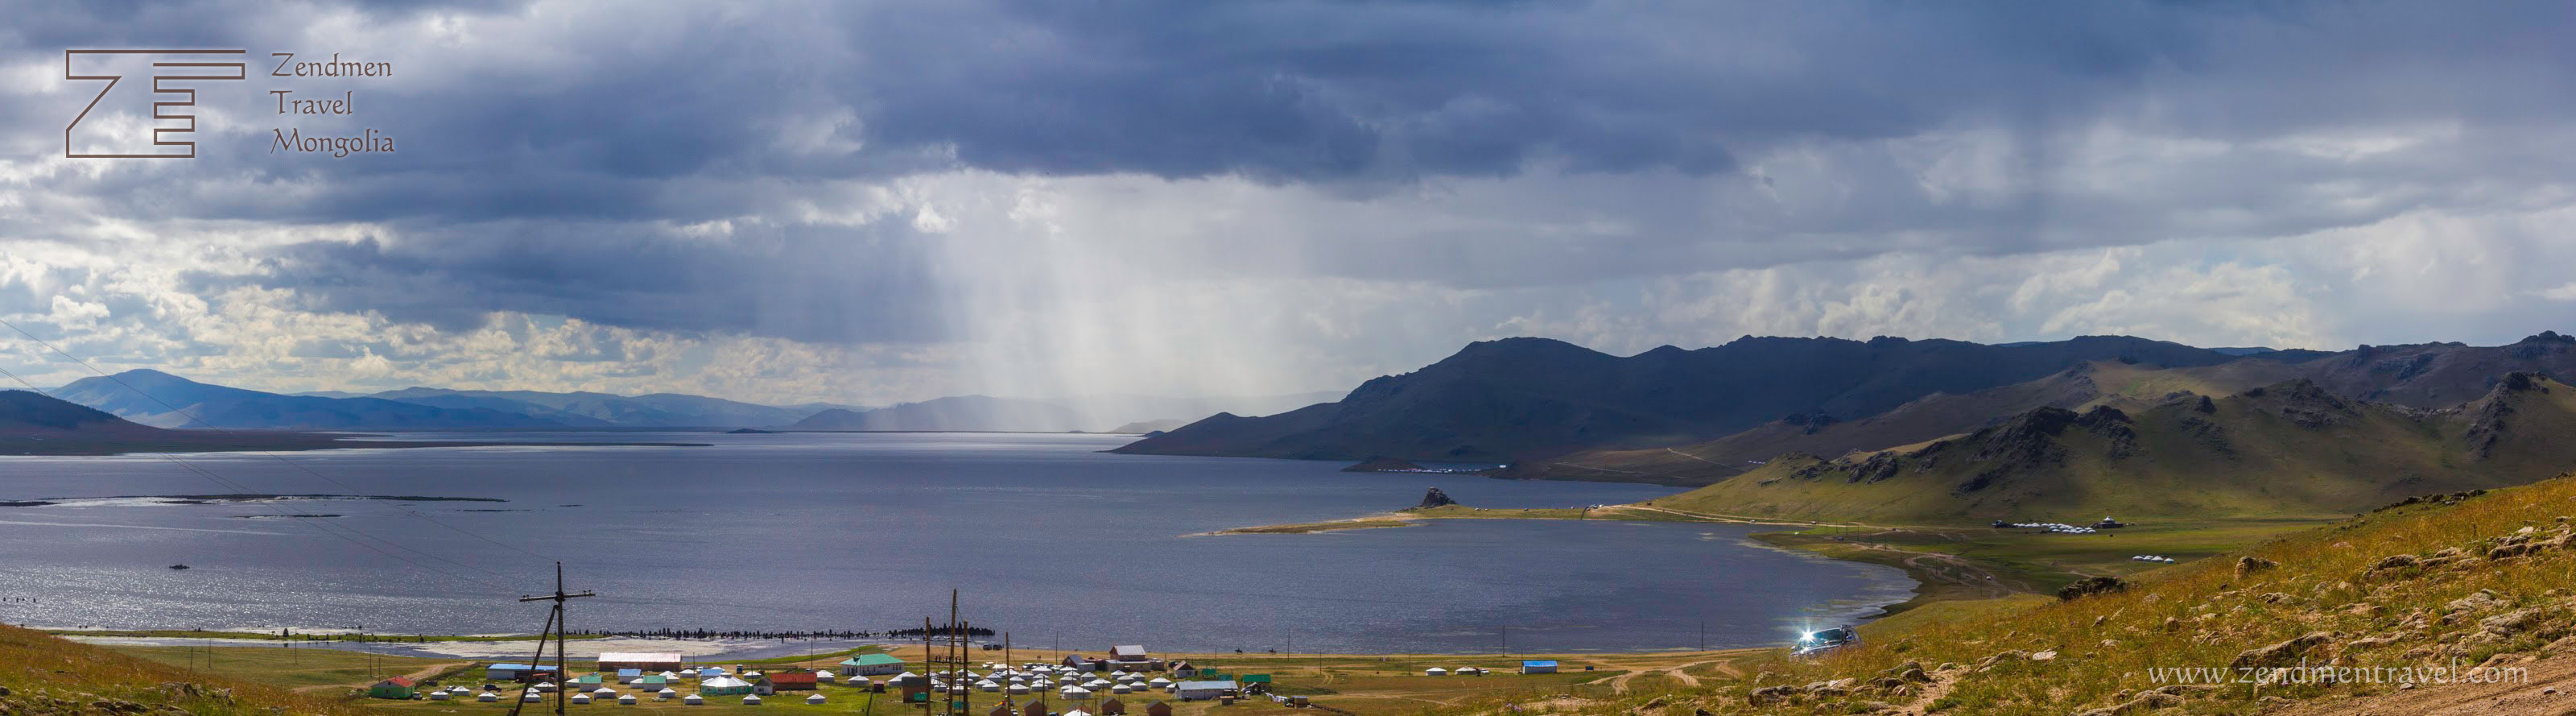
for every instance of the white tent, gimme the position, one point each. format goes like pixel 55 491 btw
pixel 581 698
pixel 814 699
pixel 627 700
pixel 531 698
pixel 487 697
pixel 751 699
pixel 1122 689
pixel 1095 684
pixel 1435 671
pixel 670 677
pixel 666 694
pixel 693 700
pixel 439 695
pixel 1159 682
pixel 1074 693
pixel 823 676
pixel 1016 688
pixel 987 685
pixel 546 686
pixel 603 691
pixel 1469 671
pixel 1077 712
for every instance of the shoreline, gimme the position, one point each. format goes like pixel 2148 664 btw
pixel 1937 577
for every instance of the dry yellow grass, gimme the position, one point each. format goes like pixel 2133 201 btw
pixel 40 674
pixel 2105 649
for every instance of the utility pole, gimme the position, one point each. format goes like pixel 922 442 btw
pixel 554 627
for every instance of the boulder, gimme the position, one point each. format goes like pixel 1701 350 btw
pixel 2090 586
pixel 2250 564
pixel 2481 600
pixel 2283 652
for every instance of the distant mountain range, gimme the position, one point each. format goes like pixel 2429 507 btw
pixel 160 399
pixel 585 409
pixel 155 398
pixel 1692 417
pixel 36 424
pixel 969 412
pixel 1516 398
pixel 2422 376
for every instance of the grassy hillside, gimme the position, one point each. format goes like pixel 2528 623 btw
pixel 2458 582
pixel 2291 450
pixel 1499 401
pixel 45 676
pixel 2124 385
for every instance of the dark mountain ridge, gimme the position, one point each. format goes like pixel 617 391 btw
pixel 1518 398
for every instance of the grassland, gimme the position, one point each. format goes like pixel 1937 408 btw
pixel 2481 582
pixel 44 676
pixel 298 667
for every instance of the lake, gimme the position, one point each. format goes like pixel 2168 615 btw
pixel 1043 536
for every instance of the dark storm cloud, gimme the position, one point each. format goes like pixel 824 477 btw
pixel 543 163
pixel 802 284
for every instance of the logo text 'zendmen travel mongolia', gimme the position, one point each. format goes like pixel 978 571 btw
pixel 177 75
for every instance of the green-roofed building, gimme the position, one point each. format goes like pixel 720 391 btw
pixel 871 665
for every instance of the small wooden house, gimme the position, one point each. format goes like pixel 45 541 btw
pixel 1113 707
pixel 393 688
pixel 1158 708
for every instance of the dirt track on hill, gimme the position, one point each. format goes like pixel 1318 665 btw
pixel 416 677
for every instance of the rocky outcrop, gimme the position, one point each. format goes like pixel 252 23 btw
pixel 2487 425
pixel 2305 404
pixel 2111 425
pixel 2540 346
pixel 2090 586
pixel 1436 498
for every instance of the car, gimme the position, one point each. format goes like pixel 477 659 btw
pixel 1825 640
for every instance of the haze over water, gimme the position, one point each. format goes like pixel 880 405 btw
pixel 1046 538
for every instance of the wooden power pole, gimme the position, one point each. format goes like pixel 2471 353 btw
pixel 555 628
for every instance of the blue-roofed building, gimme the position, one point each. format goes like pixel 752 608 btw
pixel 1538 667
pixel 507 672
pixel 629 676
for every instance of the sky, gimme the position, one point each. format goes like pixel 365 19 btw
pixel 873 202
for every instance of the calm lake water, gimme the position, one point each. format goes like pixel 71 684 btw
pixel 1046 538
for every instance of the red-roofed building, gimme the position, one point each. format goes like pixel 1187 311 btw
pixel 784 681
